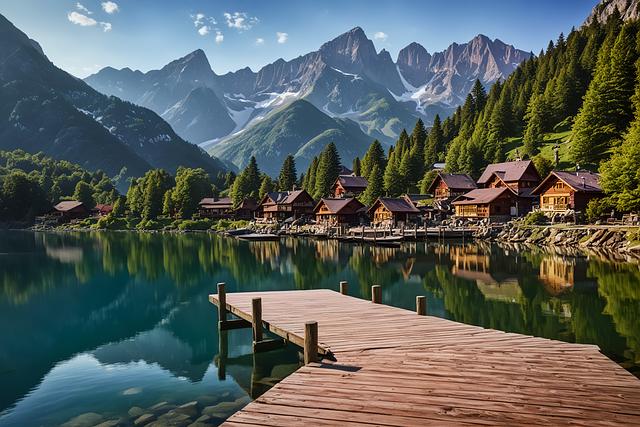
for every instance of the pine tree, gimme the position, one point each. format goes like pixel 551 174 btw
pixel 267 186
pixel 394 184
pixel 310 183
pixel 374 156
pixel 328 171
pixel 288 174
pixel 409 172
pixel 479 95
pixel 607 108
pixel 435 144
pixel 84 193
pixel 357 166
pixel 375 188
pixel 247 184
pixel 534 130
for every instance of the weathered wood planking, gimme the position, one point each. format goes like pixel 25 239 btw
pixel 395 367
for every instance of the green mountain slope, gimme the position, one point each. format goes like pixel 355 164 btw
pixel 43 108
pixel 299 129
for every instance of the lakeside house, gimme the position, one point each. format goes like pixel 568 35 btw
pixel 70 209
pixel 447 186
pixel 387 211
pixel 496 204
pixel 211 207
pixel 562 190
pixel 280 205
pixel 349 186
pixel 246 210
pixel 520 176
pixel 339 211
pixel 102 209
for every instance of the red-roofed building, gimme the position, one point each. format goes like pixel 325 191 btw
pixel 70 209
pixel 561 191
pixel 499 203
pixel 211 207
pixel 281 205
pixel 349 186
pixel 102 209
pixel 446 186
pixel 339 211
pixel 391 211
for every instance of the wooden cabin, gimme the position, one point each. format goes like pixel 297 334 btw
pixel 102 209
pixel 387 211
pixel 561 191
pixel 447 186
pixel 211 207
pixel 339 211
pixel 280 205
pixel 349 186
pixel 520 176
pixel 70 209
pixel 497 204
pixel 246 210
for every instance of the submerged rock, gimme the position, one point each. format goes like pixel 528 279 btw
pixel 144 419
pixel 135 411
pixel 88 419
pixel 191 409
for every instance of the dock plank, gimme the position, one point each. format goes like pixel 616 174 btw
pixel 390 366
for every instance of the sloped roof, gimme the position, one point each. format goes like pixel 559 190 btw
pixel 248 204
pixel 584 181
pixel 213 202
pixel 481 196
pixel 278 196
pixel 337 205
pixel 293 195
pixel 345 170
pixel 458 181
pixel 396 205
pixel 68 205
pixel 507 171
pixel 352 181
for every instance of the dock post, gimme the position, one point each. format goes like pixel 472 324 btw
pixel 310 342
pixel 376 294
pixel 222 304
pixel 344 287
pixel 256 319
pixel 421 305
pixel 223 354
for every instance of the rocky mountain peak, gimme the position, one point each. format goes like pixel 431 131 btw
pixel 350 48
pixel 629 10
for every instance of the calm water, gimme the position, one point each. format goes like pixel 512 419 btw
pixel 103 322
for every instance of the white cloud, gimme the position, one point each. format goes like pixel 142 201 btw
pixel 110 7
pixel 282 37
pixel 198 19
pixel 106 26
pixel 80 19
pixel 219 37
pixel 240 20
pixel 381 36
pixel 80 7
pixel 259 41
pixel 203 31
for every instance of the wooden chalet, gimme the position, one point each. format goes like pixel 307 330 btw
pixel 102 209
pixel 70 209
pixel 246 210
pixel 387 211
pixel 211 207
pixel 280 205
pixel 561 191
pixel 339 211
pixel 498 204
pixel 448 186
pixel 520 176
pixel 349 186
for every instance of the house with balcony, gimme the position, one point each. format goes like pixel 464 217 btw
pixel 520 176
pixel 339 211
pixel 562 191
pixel 496 204
pixel 349 186
pixel 280 205
pixel 447 186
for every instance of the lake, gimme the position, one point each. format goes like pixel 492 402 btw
pixel 95 325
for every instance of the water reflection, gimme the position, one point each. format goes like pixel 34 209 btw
pixel 86 304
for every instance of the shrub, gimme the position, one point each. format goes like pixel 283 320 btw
pixel 598 208
pixel 191 224
pixel 535 218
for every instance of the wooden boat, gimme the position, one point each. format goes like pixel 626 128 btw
pixel 387 241
pixel 259 237
pixel 239 231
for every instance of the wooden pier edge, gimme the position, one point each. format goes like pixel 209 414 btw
pixel 383 365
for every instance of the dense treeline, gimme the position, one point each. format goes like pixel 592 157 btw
pixel 31 183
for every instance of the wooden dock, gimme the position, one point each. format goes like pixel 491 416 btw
pixel 383 365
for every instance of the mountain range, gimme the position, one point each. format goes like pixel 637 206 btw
pixel 354 90
pixel 43 108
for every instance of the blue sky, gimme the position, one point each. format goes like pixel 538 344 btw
pixel 84 36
